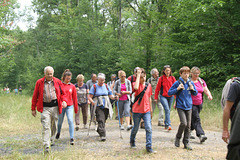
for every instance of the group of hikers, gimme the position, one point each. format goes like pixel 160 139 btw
pixel 16 90
pixel 134 98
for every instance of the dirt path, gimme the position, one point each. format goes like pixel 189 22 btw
pixel 117 148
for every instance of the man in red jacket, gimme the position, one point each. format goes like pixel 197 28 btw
pixel 48 98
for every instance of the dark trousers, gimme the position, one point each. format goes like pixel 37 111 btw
pixel 196 121
pixel 185 124
pixel 101 116
pixel 234 141
pixel 84 108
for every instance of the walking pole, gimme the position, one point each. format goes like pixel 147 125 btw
pixel 91 119
pixel 119 121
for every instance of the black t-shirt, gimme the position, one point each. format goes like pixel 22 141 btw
pixel 234 96
pixel 234 93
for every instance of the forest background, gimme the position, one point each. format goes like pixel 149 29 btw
pixel 92 36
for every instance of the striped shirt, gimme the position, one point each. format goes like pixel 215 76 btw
pixel 49 93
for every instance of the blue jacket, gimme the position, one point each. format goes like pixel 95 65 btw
pixel 183 99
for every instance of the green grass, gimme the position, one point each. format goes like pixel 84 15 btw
pixel 16 117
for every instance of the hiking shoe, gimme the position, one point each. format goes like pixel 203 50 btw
pixel 96 126
pixel 177 142
pixel 102 139
pixel 191 135
pixel 85 126
pixel 132 144
pixel 150 150
pixel 129 127
pixel 169 128
pixel 160 124
pixel 77 127
pixel 202 138
pixel 122 127
pixel 187 146
pixel 142 125
pixel 46 150
pixel 52 144
pixel 71 141
pixel 58 135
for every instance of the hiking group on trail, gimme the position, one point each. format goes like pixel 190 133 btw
pixel 134 98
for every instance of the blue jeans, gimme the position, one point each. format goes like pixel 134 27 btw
pixel 167 103
pixel 69 112
pixel 148 127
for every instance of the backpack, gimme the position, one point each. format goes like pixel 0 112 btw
pixel 94 86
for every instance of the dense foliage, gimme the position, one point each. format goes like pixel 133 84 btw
pixel 91 36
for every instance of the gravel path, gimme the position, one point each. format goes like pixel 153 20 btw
pixel 115 147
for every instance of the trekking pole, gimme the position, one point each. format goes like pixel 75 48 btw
pixel 119 121
pixel 92 117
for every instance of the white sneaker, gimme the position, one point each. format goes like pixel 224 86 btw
pixel 129 127
pixel 191 135
pixel 122 127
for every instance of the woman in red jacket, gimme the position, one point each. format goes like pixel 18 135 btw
pixel 71 95
pixel 165 82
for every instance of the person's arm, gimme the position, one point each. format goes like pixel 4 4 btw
pixel 226 117
pixel 193 89
pixel 110 94
pixel 157 90
pixel 136 86
pixel 151 110
pixel 116 89
pixel 175 88
pixel 75 101
pixel 129 88
pixel 90 96
pixel 34 99
pixel 207 92
pixel 63 94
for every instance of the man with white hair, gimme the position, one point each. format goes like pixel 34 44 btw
pixel 49 99
pixel 153 81
pixel 99 95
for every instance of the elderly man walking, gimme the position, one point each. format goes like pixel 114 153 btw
pixel 153 81
pixel 49 99
pixel 232 111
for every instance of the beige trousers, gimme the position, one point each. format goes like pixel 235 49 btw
pixel 49 119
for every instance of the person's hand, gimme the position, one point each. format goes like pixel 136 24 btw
pixel 123 92
pixel 225 136
pixel 89 102
pixel 34 113
pixel 155 100
pixel 116 97
pixel 180 87
pixel 64 104
pixel 210 97
pixel 191 87
pixel 118 94
pixel 139 71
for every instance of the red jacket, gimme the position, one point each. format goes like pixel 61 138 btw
pixel 164 83
pixel 37 99
pixel 71 95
